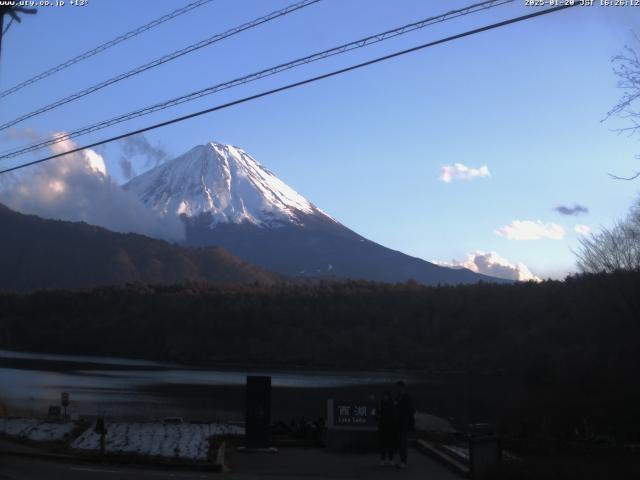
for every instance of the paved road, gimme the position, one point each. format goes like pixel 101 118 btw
pixel 318 464
pixel 288 464
pixel 25 468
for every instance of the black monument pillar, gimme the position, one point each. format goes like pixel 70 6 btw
pixel 258 411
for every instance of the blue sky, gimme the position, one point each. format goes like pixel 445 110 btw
pixel 368 147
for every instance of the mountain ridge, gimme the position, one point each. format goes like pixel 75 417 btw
pixel 38 253
pixel 227 198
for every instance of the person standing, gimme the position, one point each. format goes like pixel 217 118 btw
pixel 405 420
pixel 387 422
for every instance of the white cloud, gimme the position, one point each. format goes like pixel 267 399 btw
pixel 21 134
pixel 582 229
pixel 531 230
pixel 77 187
pixel 490 263
pixel 448 173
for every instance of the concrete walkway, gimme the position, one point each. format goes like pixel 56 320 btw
pixel 287 464
pixel 319 464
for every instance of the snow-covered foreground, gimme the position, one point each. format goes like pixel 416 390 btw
pixel 35 430
pixel 430 423
pixel 186 441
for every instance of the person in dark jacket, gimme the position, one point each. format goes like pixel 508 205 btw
pixel 405 420
pixel 387 428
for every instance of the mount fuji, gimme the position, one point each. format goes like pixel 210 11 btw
pixel 227 198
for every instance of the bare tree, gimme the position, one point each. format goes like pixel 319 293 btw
pixel 613 249
pixel 618 247
pixel 626 66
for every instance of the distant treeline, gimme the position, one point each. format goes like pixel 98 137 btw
pixel 569 351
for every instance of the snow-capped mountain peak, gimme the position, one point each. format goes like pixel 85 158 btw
pixel 224 182
pixel 230 200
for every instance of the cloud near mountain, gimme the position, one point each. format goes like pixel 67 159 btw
pixel 490 263
pixel 77 187
pixel 138 145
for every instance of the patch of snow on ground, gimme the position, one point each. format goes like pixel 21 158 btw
pixel 50 432
pixel 430 423
pixel 461 452
pixel 17 427
pixel 35 430
pixel 186 441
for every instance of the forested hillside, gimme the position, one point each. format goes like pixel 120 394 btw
pixel 569 349
pixel 36 254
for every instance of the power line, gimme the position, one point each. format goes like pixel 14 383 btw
pixel 6 29
pixel 12 10
pixel 300 83
pixel 105 46
pixel 363 42
pixel 166 58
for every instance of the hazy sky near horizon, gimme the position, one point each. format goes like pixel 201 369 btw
pixel 461 148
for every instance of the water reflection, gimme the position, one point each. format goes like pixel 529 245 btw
pixel 34 381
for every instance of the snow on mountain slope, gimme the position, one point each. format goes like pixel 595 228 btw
pixel 230 200
pixel 225 182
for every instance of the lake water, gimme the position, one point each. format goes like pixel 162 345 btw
pixel 117 387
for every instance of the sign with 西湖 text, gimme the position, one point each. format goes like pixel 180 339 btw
pixel 353 414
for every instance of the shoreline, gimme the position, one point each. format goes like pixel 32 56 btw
pixel 83 362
